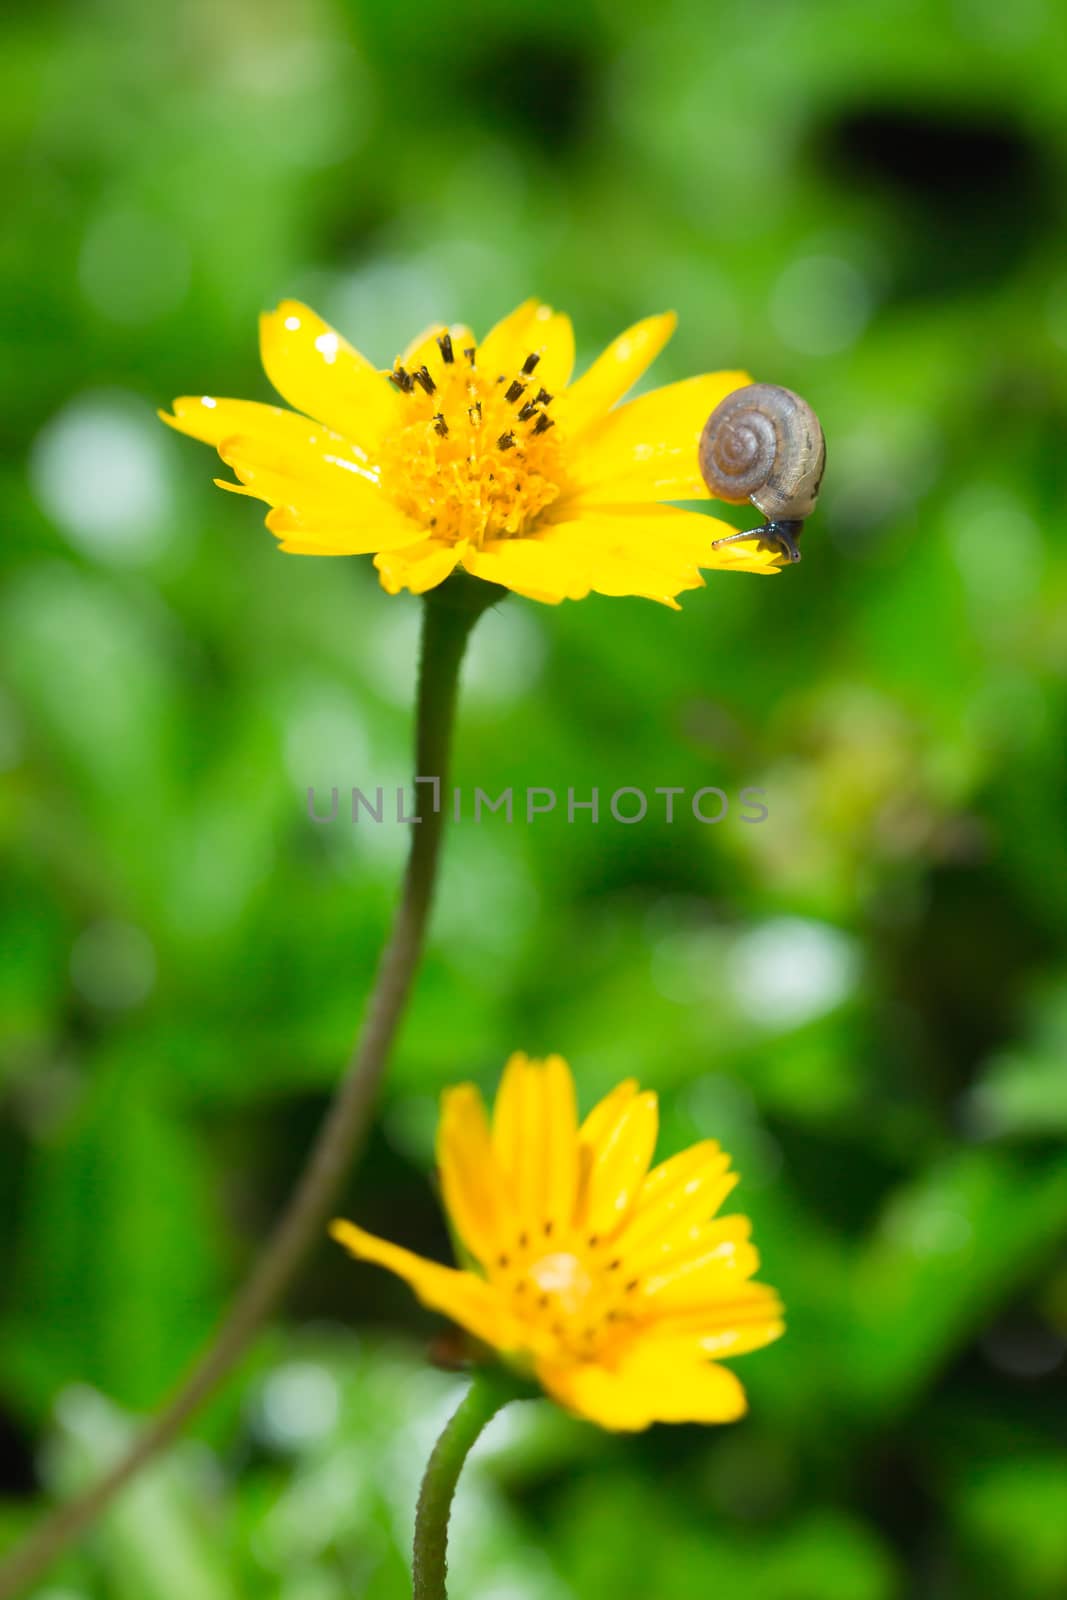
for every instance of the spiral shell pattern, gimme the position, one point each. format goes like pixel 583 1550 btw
pixel 738 446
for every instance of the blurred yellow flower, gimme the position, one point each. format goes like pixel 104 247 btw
pixel 615 1286
pixel 480 456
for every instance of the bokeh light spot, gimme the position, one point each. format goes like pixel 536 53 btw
pixel 298 1404
pixel 791 970
pixel 98 470
pixel 113 965
pixel 820 305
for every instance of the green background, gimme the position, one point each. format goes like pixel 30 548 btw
pixel 865 997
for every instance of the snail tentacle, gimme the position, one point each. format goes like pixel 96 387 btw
pixel 778 537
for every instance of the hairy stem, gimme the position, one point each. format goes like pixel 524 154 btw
pixel 449 614
pixel 487 1394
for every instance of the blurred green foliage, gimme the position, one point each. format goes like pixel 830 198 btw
pixel 865 998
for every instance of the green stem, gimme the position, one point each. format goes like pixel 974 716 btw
pixel 449 614
pixel 488 1393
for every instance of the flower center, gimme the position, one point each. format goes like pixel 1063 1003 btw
pixel 476 458
pixel 564 1278
pixel 572 1294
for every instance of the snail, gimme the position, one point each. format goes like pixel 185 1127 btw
pixel 765 444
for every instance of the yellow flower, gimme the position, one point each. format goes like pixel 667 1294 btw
pixel 614 1285
pixel 480 456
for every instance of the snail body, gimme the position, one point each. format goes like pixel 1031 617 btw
pixel 765 444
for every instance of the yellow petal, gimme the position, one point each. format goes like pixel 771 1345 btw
pixel 470 1183
pixel 616 1166
pixel 508 1111
pixel 464 1298
pixel 641 528
pixel 606 1113
pixel 333 505
pixel 309 547
pixel 654 1380
pixel 616 568
pixel 532 567
pixel 503 349
pixel 739 1338
pixel 721 1254
pixel 677 1196
pixel 235 488
pixel 338 532
pixel 532 329
pixel 552 341
pixel 320 373
pixel 761 562
pixel 560 1141
pixel 614 372
pixel 212 419
pixel 535 1126
pixel 425 351
pixel 647 448
pixel 729 1327
pixel 644 549
pixel 418 567
pixel 316 476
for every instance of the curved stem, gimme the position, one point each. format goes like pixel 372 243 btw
pixel 449 615
pixel 485 1397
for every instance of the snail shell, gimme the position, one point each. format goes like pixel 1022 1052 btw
pixel 764 444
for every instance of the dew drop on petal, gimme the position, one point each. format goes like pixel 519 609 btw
pixel 327 344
